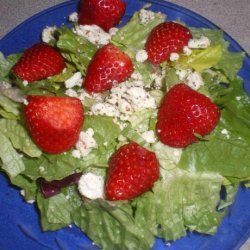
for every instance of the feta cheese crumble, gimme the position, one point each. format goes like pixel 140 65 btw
pixel 91 186
pixel 226 133
pixel 191 78
pixel 47 34
pixel 187 51
pixel 199 43
pixel 174 57
pixel 25 83
pixel 146 16
pixel 149 136
pixel 85 144
pixel 113 30
pixel 73 17
pixel 75 80
pixel 93 33
pixel 141 55
pixel 123 100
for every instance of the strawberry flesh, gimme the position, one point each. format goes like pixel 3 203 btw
pixel 104 13
pixel 164 39
pixel 108 67
pixel 132 171
pixel 38 62
pixel 183 113
pixel 54 123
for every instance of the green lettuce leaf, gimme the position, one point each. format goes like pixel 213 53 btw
pixel 77 50
pixel 52 167
pixel 188 201
pixel 6 64
pixel 12 161
pixel 29 186
pixel 202 59
pixel 9 106
pixel 207 155
pixel 112 227
pixel 19 137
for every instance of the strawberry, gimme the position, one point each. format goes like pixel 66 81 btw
pixel 38 62
pixel 164 39
pixel 104 13
pixel 54 123
pixel 132 171
pixel 108 66
pixel 184 112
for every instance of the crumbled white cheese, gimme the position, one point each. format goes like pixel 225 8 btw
pixel 187 51
pixel 73 17
pixel 199 43
pixel 157 79
pixel 226 133
pixel 85 144
pixel 91 186
pixel 25 83
pixel 93 33
pixel 22 192
pixel 149 136
pixel 113 30
pixel 136 76
pixel 31 201
pixel 47 34
pixel 141 55
pixel 75 80
pixel 174 57
pixel 146 16
pixel 71 93
pixel 123 100
pixel 190 78
pixel 102 108
pixel 25 102
pixel 238 98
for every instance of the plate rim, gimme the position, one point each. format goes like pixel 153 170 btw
pixel 165 3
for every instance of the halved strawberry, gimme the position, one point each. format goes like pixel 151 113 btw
pixel 108 67
pixel 164 39
pixel 38 62
pixel 183 113
pixel 132 171
pixel 104 13
pixel 54 123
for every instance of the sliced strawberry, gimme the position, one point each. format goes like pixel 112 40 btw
pixel 132 171
pixel 183 113
pixel 164 39
pixel 38 62
pixel 108 67
pixel 54 123
pixel 104 13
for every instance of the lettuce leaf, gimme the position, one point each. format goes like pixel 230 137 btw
pixel 19 137
pixel 188 201
pixel 12 161
pixel 77 50
pixel 202 59
pixel 112 226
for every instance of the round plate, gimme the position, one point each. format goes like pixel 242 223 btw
pixel 20 227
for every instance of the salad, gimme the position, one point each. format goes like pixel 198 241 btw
pixel 69 180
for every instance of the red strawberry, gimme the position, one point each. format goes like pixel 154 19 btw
pixel 132 172
pixel 164 39
pixel 104 13
pixel 184 112
pixel 54 123
pixel 109 66
pixel 38 62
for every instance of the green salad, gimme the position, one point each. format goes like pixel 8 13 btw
pixel 186 197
